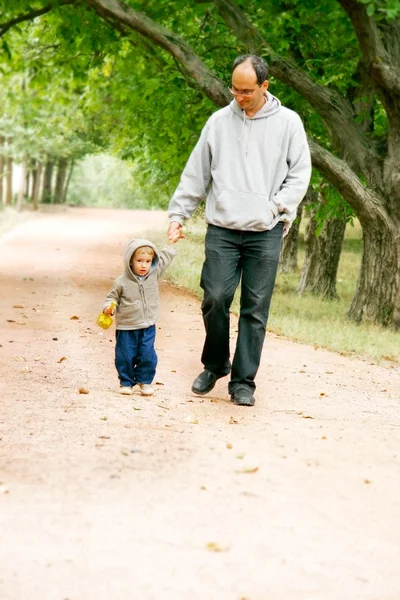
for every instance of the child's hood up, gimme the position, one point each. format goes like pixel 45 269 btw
pixel 130 249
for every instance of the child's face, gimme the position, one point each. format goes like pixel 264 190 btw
pixel 141 263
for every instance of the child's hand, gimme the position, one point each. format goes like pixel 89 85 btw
pixel 109 311
pixel 173 237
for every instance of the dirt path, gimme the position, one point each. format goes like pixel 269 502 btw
pixel 104 497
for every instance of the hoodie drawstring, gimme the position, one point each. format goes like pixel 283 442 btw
pixel 242 130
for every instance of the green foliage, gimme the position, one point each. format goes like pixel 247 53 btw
pixel 101 180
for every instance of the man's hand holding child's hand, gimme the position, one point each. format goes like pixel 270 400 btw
pixel 174 232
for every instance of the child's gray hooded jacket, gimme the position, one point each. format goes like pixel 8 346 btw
pixel 137 298
pixel 252 172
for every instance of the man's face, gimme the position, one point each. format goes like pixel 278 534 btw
pixel 244 79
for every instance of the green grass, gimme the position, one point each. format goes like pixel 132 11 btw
pixel 305 319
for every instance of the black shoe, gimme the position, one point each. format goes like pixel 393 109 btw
pixel 205 382
pixel 242 396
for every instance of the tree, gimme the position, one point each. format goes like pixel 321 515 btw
pixel 353 47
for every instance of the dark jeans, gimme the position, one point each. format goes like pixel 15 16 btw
pixel 135 356
pixel 231 255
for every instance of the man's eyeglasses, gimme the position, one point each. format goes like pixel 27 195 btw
pixel 245 93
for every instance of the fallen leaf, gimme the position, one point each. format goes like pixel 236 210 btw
pixel 248 470
pixel 323 437
pixel 307 417
pixel 83 390
pixel 367 481
pixel 104 437
pixel 322 394
pixel 136 408
pixel 214 547
pixel 62 359
pixel 10 321
pixel 229 446
pixel 74 318
pixel 240 456
pixel 18 306
pixel 103 418
pixel 191 419
pixel 232 421
pixel 37 357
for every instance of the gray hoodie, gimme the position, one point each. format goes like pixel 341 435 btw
pixel 137 298
pixel 252 172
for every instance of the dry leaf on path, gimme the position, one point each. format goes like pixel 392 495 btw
pixel 215 547
pixel 248 470
pixel 62 359
pixel 83 390
pixel 192 420
pixel 232 421
pixel 74 318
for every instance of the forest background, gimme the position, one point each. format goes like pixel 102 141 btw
pixel 102 102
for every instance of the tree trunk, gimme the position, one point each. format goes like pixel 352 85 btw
pixel 2 162
pixel 60 180
pixel 9 172
pixel 22 186
pixel 320 267
pixel 377 297
pixel 288 258
pixel 36 179
pixel 71 168
pixel 47 195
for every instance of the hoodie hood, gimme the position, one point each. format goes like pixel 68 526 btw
pixel 130 249
pixel 271 106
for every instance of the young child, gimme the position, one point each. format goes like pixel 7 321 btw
pixel 137 303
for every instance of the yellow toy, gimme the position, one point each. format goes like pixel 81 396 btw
pixel 105 321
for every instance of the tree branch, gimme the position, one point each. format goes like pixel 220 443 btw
pixel 4 27
pixel 335 110
pixel 384 67
pixel 368 206
pixel 206 80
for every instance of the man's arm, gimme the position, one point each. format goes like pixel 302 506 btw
pixel 297 180
pixel 193 185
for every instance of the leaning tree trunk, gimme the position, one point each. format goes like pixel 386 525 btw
pixel 47 194
pixel 290 247
pixel 321 263
pixel 377 297
pixel 60 180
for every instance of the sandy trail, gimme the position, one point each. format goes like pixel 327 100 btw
pixel 105 497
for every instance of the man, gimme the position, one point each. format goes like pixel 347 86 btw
pixel 252 165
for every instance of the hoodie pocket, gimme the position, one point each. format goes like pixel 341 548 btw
pixel 242 210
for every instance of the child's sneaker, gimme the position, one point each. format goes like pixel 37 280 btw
pixel 146 389
pixel 125 390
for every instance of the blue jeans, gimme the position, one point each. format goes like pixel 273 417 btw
pixel 231 256
pixel 135 356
